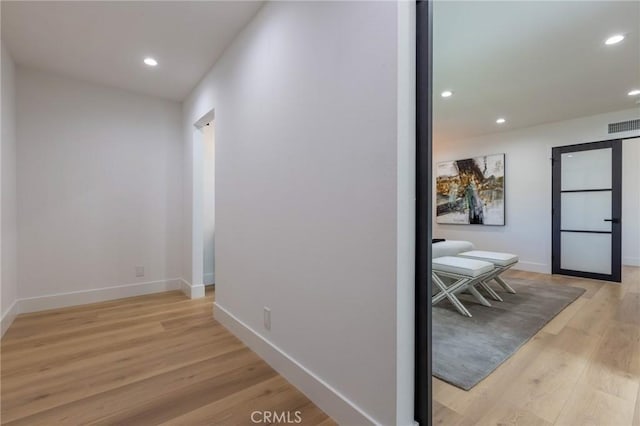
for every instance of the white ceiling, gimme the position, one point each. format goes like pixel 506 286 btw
pixel 531 62
pixel 105 42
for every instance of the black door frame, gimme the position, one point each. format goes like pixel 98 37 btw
pixel 422 368
pixel 616 213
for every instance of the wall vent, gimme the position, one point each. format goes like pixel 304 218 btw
pixel 624 126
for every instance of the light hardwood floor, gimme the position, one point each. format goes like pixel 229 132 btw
pixel 149 360
pixel 163 359
pixel 582 368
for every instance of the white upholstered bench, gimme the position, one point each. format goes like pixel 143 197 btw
pixel 466 273
pixel 501 262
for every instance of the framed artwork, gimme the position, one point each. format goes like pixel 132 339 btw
pixel 471 191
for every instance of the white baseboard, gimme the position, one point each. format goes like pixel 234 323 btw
pixel 192 291
pixel 524 265
pixel 631 261
pixel 9 316
pixel 328 399
pixel 83 297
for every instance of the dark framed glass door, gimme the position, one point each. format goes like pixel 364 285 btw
pixel 587 210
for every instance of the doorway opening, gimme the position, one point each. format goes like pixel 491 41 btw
pixel 488 119
pixel 208 203
pixel 203 206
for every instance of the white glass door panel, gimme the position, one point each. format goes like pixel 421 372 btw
pixel 587 205
pixel 586 211
pixel 586 170
pixel 586 252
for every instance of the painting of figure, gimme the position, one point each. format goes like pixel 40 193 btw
pixel 471 191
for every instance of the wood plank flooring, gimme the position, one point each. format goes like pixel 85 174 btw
pixel 163 359
pixel 582 368
pixel 148 360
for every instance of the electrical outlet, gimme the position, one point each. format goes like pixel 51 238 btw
pixel 139 271
pixel 267 318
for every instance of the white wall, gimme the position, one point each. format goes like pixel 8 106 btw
pixel 99 190
pixel 208 202
pixel 631 202
pixel 528 184
pixel 309 199
pixel 8 291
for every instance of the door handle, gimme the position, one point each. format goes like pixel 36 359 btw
pixel 614 220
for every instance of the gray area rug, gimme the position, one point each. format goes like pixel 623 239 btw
pixel 466 350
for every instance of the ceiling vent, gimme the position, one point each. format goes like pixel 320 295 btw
pixel 624 126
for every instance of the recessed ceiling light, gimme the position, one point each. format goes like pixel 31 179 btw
pixel 614 39
pixel 501 121
pixel 150 61
pixel 446 94
pixel 634 92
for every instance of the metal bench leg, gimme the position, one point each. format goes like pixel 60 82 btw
pixel 492 292
pixel 504 284
pixel 448 293
pixel 478 296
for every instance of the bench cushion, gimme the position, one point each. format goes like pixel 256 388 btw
pixel 450 248
pixel 461 266
pixel 501 259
